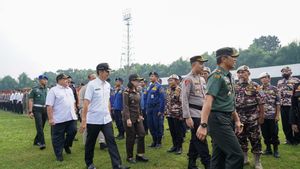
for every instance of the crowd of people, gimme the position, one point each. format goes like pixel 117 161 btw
pixel 202 102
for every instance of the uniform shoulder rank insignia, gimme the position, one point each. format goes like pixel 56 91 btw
pixel 154 88
pixel 218 70
pixel 217 76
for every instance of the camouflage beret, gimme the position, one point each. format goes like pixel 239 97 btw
pixel 174 76
pixel 264 74
pixel 206 69
pixel 286 68
pixel 228 51
pixel 243 68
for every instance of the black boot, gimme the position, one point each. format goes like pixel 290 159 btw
pixel 268 150
pixel 153 143
pixel 276 153
pixel 158 144
pixel 192 163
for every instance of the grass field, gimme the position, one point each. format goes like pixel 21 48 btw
pixel 16 151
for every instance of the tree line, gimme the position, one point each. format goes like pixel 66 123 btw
pixel 264 51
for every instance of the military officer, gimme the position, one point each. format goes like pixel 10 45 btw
pixel 174 113
pixel 285 87
pixel 250 107
pixel 38 111
pixel 272 107
pixel 218 111
pixel 193 94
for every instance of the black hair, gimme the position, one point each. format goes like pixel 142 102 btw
pixel 130 85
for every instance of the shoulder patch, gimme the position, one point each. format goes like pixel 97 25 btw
pixel 187 82
pixel 217 76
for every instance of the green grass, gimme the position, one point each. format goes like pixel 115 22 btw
pixel 16 151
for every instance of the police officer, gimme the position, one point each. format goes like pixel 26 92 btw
pixel 193 95
pixel 118 107
pixel 285 87
pixel 155 109
pixel 272 107
pixel 250 107
pixel 295 112
pixel 218 111
pixel 96 117
pixel 133 120
pixel 37 109
pixel 174 114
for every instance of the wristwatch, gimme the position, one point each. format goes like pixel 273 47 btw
pixel 203 125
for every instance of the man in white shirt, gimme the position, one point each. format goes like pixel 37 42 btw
pixel 96 117
pixel 62 117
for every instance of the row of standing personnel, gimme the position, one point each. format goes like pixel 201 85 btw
pixel 192 102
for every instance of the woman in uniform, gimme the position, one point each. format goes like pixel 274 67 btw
pixel 133 120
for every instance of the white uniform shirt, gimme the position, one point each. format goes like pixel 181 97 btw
pixel 98 93
pixel 63 103
pixel 12 97
pixel 20 97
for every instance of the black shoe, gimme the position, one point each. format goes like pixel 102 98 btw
pixel 131 160
pixel 158 146
pixel 36 144
pixel 68 150
pixel 276 154
pixel 141 158
pixel 288 142
pixel 267 152
pixel 103 146
pixel 152 145
pixel 60 158
pixel 172 149
pixel 123 167
pixel 178 151
pixel 91 166
pixel 120 137
pixel 42 146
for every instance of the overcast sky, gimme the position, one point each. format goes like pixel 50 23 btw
pixel 37 36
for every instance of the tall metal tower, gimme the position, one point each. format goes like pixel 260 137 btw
pixel 127 18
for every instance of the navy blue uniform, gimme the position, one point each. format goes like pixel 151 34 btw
pixel 118 107
pixel 155 104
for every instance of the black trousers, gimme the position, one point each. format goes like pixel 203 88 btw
pixel 197 147
pixel 135 131
pixel 119 121
pixel 145 122
pixel 63 135
pixel 14 106
pixel 176 130
pixel 40 117
pixel 19 108
pixel 286 125
pixel 92 134
pixel 269 131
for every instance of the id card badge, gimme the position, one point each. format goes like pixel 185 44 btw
pixel 152 96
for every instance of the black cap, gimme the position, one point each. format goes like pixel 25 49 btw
pixel 61 76
pixel 119 79
pixel 153 73
pixel 228 51
pixel 197 58
pixel 133 77
pixel 103 66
